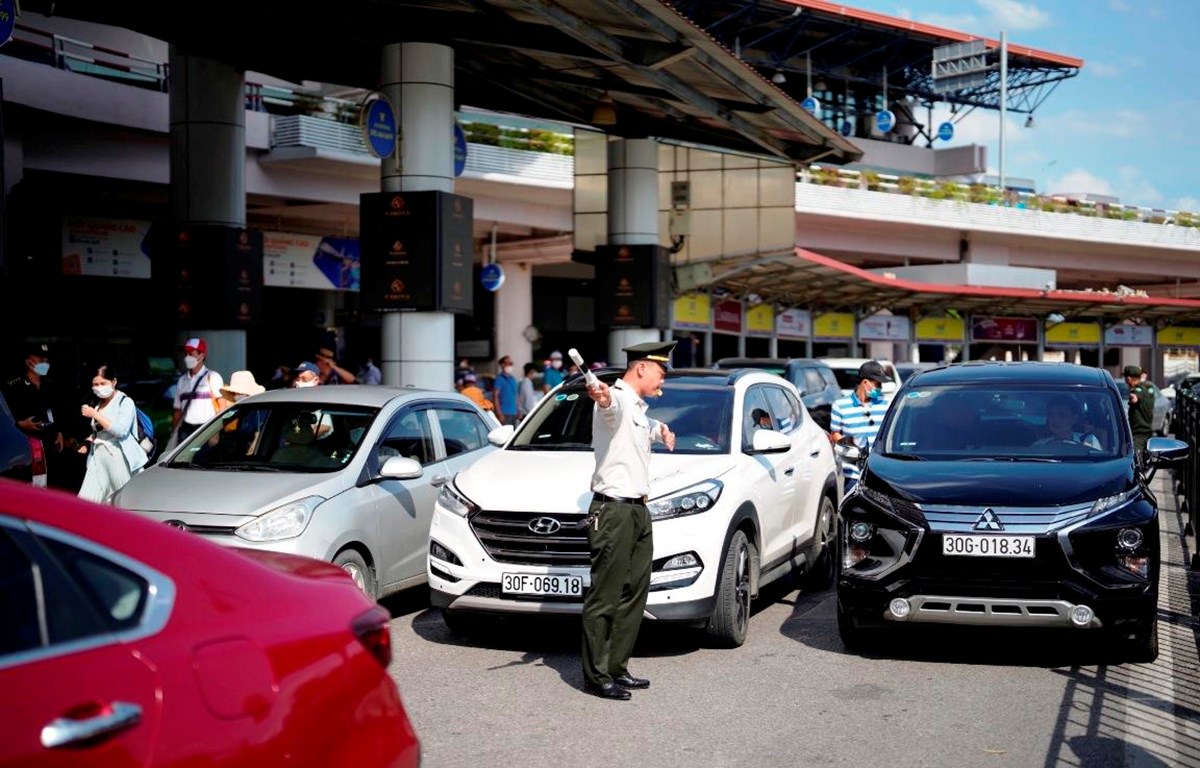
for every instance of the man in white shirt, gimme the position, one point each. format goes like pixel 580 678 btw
pixel 197 395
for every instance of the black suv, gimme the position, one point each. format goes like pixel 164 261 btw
pixel 1005 494
pixel 816 381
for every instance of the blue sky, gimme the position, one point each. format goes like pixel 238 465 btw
pixel 1128 125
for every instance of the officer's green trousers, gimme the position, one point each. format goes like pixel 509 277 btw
pixel 621 545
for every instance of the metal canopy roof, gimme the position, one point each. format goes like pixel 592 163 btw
pixel 548 60
pixel 810 279
pixel 850 47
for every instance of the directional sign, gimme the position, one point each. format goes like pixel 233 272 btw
pixel 885 120
pixel 811 104
pixel 492 276
pixel 946 131
pixel 379 126
pixel 8 20
pixel 460 150
pixel 847 128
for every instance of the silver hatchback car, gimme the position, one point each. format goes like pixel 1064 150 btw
pixel 347 474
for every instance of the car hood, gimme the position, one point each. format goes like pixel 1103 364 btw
pixel 238 494
pixel 998 483
pixel 296 565
pixel 557 481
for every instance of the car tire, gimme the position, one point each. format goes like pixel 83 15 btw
pixel 1142 647
pixel 821 574
pixel 352 563
pixel 728 625
pixel 854 637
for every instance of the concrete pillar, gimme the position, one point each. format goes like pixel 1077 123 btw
pixel 418 79
pixel 632 218
pixel 207 115
pixel 514 313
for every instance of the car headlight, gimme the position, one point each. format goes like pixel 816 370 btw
pixel 453 501
pixel 1109 503
pixel 690 501
pixel 286 522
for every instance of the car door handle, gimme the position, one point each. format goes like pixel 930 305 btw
pixel 789 470
pixel 64 731
pixel 439 480
pixel 814 454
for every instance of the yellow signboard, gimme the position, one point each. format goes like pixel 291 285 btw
pixel 692 310
pixel 833 325
pixel 1074 334
pixel 760 319
pixel 940 329
pixel 1179 336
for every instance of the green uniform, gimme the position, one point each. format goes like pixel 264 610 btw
pixel 1141 415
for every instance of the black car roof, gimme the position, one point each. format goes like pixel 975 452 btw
pixel 1023 372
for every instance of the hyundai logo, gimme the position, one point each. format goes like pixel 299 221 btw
pixel 177 524
pixel 544 525
pixel 988 521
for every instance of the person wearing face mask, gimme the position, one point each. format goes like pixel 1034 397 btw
pixel 504 392
pixel 113 451
pixel 306 375
pixel 30 397
pixel 554 374
pixel 197 395
pixel 857 416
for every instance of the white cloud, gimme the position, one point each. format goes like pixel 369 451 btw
pixel 1015 15
pixel 1121 123
pixel 1102 69
pixel 1080 181
pixel 1189 204
pixel 965 22
pixel 1133 187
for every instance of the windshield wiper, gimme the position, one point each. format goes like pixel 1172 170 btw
pixel 239 467
pixel 1013 458
pixel 552 447
pixel 903 456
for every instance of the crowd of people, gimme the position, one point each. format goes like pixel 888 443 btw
pixel 510 398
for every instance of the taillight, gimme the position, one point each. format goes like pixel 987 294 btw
pixel 371 629
pixel 38 453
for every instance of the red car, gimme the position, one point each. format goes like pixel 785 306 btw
pixel 127 642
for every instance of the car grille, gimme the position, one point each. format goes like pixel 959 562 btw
pixel 937 573
pixel 1015 520
pixel 203 530
pixel 508 538
pixel 491 589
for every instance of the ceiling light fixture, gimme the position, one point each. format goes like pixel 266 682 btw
pixel 820 86
pixel 779 78
pixel 605 111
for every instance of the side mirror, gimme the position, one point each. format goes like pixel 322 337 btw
pixel 1161 451
pixel 401 468
pixel 501 435
pixel 847 451
pixel 769 441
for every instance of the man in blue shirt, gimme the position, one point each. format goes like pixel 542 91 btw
pixel 504 392
pixel 859 414
pixel 554 374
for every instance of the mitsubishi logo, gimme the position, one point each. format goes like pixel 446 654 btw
pixel 988 521
pixel 544 525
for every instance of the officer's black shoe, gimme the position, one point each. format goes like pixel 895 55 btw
pixel 607 691
pixel 629 681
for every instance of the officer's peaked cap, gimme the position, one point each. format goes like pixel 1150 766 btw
pixel 654 351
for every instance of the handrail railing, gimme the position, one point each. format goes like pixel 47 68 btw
pixel 1186 427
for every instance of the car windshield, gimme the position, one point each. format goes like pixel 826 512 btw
pixel 700 416
pixel 1006 422
pixel 278 437
pixel 847 378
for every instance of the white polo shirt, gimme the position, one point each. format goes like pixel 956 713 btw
pixel 194 395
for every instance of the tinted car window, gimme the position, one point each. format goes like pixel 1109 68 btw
pixel 756 400
pixel 117 593
pixel 408 436
pixel 1005 422
pixel 813 383
pixel 829 377
pixel 21 628
pixel 461 431
pixel 785 411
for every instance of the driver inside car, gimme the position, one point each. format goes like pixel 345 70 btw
pixel 1061 415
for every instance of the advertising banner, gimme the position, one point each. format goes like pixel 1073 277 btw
pixel 1179 336
pixel 793 324
pixel 692 311
pixel 760 320
pixel 727 316
pixel 834 326
pixel 1005 330
pixel 884 328
pixel 310 261
pixel 99 247
pixel 632 286
pixel 1125 335
pixel 940 329
pixel 1074 334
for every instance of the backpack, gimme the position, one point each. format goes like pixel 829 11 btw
pixel 144 432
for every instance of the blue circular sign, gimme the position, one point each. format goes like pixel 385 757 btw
pixel 811 104
pixel 492 276
pixel 379 127
pixel 8 20
pixel 885 121
pixel 946 131
pixel 847 128
pixel 460 150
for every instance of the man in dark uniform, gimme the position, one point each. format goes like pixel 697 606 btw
pixel 620 539
pixel 1141 408
pixel 29 399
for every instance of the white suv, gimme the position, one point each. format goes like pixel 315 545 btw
pixel 734 506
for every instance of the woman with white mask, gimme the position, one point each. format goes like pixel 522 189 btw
pixel 113 452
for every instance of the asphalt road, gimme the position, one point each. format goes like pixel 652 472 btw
pixel 792 696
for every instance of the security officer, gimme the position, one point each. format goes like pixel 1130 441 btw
pixel 619 533
pixel 1141 407
pixel 29 399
